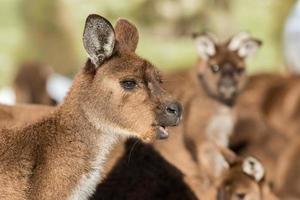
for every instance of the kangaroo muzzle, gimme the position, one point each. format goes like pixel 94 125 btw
pixel 169 115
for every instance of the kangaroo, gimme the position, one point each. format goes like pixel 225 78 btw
pixel 208 91
pixel 233 177
pixel 267 122
pixel 252 136
pixel 270 129
pixel 117 93
pixel 30 84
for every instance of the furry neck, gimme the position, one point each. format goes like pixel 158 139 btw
pixel 98 137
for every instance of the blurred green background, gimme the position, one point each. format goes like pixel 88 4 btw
pixel 50 31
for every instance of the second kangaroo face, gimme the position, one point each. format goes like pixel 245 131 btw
pixel 221 71
pixel 125 88
pixel 244 181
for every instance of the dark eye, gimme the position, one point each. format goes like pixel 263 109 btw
pixel 215 68
pixel 240 196
pixel 128 84
pixel 240 71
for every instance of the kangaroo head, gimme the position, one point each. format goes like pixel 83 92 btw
pixel 121 92
pixel 233 177
pixel 243 181
pixel 222 65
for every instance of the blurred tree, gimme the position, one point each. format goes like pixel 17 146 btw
pixel 47 36
pixel 219 13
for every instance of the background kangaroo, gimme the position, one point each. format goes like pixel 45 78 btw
pixel 31 84
pixel 207 92
pixel 236 178
pixel 61 155
pixel 268 127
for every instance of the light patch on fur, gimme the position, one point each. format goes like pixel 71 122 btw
pixel 109 45
pixel 221 125
pixel 213 160
pixel 110 133
pixel 98 39
pixel 248 48
pixel 205 46
pixel 237 41
pixel 108 128
pixel 220 164
pixel 88 182
pixel 254 168
pixel 244 44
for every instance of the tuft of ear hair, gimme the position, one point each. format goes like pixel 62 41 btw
pixel 252 167
pixel 205 44
pixel 127 34
pixel 244 44
pixel 98 39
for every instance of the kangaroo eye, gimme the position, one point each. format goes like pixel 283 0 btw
pixel 215 68
pixel 128 84
pixel 240 71
pixel 240 196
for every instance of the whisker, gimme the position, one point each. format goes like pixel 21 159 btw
pixel 131 150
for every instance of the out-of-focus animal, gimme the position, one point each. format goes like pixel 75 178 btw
pixel 208 93
pixel 35 83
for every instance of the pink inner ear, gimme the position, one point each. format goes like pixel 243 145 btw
pixel 127 34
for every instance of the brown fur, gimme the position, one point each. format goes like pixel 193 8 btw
pixel 31 82
pixel 272 98
pixel 237 185
pixel 268 120
pixel 158 179
pixel 47 158
pixel 199 107
pixel 198 89
pixel 288 187
pixel 21 115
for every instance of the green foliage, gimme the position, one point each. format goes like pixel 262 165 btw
pixel 51 30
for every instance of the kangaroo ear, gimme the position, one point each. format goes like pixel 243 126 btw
pixel 244 44
pixel 98 39
pixel 252 167
pixel 205 44
pixel 127 34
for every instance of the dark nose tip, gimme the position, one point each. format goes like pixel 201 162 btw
pixel 174 108
pixel 241 196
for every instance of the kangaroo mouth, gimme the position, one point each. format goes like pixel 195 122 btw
pixel 162 132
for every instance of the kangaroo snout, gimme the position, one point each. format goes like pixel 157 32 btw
pixel 174 109
pixel 169 114
pixel 172 114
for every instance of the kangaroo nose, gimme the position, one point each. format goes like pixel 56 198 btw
pixel 241 196
pixel 174 109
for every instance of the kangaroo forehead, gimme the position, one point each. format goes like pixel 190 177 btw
pixel 136 67
pixel 224 55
